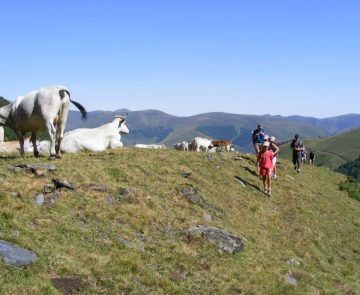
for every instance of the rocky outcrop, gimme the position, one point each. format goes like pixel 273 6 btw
pixel 226 241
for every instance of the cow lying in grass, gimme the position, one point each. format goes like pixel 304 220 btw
pixel 95 139
pixel 149 146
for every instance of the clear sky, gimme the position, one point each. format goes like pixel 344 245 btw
pixel 187 57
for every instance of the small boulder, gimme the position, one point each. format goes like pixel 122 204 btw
pixel 15 255
pixel 98 187
pixel 226 241
pixel 39 199
pixel 63 183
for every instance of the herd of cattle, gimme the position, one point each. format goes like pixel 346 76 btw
pixel 47 109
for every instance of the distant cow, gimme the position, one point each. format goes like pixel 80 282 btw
pixel 43 109
pixel 222 143
pixel 199 143
pixel 149 146
pixel 181 146
pixel 95 139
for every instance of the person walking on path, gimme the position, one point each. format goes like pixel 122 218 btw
pixel 297 147
pixel 258 138
pixel 311 157
pixel 264 166
pixel 275 149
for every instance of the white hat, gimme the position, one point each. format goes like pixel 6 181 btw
pixel 266 143
pixel 266 137
pixel 272 138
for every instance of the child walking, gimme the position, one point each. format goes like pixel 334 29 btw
pixel 264 166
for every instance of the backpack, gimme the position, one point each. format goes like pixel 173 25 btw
pixel 296 144
pixel 256 136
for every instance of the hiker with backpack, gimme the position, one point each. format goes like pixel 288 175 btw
pixel 258 138
pixel 297 147
pixel 264 166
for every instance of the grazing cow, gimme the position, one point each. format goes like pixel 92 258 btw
pixel 199 143
pixel 149 146
pixel 43 109
pixel 181 146
pixel 1 134
pixel 222 143
pixel 95 139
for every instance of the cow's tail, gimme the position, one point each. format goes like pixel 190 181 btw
pixel 78 105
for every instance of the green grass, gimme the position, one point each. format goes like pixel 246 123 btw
pixel 308 218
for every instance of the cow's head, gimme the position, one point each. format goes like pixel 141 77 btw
pixel 122 128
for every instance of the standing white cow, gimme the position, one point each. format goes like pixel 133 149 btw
pixel 95 139
pixel 199 143
pixel 181 146
pixel 43 109
pixel 1 134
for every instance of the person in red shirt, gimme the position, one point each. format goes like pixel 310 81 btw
pixel 265 166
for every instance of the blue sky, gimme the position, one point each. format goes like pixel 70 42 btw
pixel 187 57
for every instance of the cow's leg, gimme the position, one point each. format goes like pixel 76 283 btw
pixel 59 136
pixel 21 142
pixel 33 141
pixel 52 134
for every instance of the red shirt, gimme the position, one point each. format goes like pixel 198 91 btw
pixel 265 159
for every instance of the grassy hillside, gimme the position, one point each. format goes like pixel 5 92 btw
pixel 132 238
pixel 333 151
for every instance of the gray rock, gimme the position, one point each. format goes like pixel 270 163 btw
pixel 98 187
pixel 290 177
pixel 2 179
pixel 190 194
pixel 289 279
pixel 240 181
pixel 48 188
pixel 15 255
pixel 126 194
pixel 110 199
pixel 292 261
pixel 132 245
pixel 15 194
pixel 49 167
pixel 39 199
pixel 207 217
pixel 238 158
pixel 226 241
pixel 63 183
pixel 185 174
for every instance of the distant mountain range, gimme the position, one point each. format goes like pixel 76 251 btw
pixel 153 126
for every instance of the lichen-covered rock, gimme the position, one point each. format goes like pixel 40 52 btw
pixel 63 183
pixel 226 241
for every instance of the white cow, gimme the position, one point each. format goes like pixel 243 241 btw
pixel 149 146
pixel 43 109
pixel 95 139
pixel 1 134
pixel 181 146
pixel 199 143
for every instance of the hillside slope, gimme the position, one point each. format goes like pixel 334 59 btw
pixel 132 238
pixel 332 151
